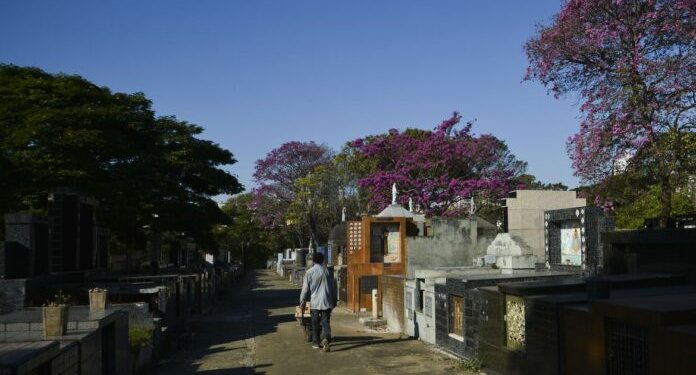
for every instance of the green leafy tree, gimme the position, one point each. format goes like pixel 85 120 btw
pixel 530 182
pixel 632 215
pixel 244 237
pixel 146 171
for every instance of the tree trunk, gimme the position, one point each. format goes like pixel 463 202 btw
pixel 665 201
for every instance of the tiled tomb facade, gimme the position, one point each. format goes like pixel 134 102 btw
pixel 460 301
pixel 572 239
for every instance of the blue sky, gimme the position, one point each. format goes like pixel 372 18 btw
pixel 256 74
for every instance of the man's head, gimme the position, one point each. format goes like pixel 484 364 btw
pixel 318 258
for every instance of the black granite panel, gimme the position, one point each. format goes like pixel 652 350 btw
pixel 475 309
pixel 552 286
pixel 441 316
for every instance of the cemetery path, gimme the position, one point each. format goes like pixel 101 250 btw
pixel 253 331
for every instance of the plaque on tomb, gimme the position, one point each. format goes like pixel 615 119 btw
pixel 570 243
pixel 428 306
pixel 514 321
pixel 457 315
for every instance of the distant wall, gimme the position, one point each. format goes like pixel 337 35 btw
pixel 454 243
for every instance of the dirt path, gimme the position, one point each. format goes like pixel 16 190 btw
pixel 252 331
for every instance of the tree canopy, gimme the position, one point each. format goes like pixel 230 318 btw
pixel 633 62
pixel 296 190
pixel 244 237
pixel 146 171
pixel 436 168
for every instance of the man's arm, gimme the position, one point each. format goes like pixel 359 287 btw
pixel 305 294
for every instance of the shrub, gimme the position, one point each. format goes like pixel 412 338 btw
pixel 138 337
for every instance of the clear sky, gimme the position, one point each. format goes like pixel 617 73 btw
pixel 256 74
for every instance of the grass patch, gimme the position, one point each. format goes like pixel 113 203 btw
pixel 473 365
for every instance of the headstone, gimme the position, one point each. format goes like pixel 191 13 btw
pixel 508 253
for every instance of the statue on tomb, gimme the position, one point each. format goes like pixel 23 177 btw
pixel 343 214
pixel 394 193
pixel 410 204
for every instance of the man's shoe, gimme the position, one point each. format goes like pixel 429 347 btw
pixel 326 345
pixel 315 346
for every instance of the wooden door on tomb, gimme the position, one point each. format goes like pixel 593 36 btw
pixel 367 283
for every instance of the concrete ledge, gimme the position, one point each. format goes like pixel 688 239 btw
pixel 367 321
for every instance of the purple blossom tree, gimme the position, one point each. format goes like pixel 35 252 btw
pixel 278 189
pixel 633 62
pixel 438 169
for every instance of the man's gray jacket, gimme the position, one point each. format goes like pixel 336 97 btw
pixel 319 285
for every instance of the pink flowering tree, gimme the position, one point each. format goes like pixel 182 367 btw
pixel 283 200
pixel 437 168
pixel 633 63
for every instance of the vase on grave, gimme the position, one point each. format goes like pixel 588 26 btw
pixel 55 320
pixel 97 299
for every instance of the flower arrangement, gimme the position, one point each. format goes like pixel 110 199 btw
pixel 55 315
pixel 59 299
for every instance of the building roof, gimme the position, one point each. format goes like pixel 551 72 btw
pixel 396 210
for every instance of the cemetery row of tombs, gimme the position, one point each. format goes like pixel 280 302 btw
pixel 554 290
pixel 122 311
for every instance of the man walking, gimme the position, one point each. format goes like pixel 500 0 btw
pixel 319 288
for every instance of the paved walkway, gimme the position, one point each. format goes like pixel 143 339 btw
pixel 253 331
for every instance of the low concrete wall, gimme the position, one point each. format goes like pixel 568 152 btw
pixel 393 302
pixel 454 243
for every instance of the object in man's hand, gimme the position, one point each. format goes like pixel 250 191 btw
pixel 299 313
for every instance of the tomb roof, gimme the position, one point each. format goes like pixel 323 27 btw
pixel 339 232
pixel 396 210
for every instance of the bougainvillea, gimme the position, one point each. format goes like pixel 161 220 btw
pixel 633 62
pixel 438 169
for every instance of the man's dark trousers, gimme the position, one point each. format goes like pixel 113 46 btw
pixel 321 322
